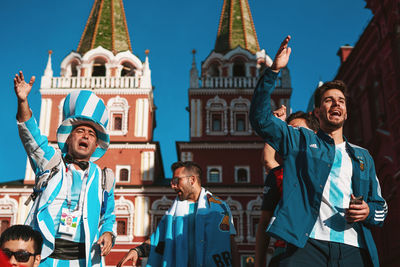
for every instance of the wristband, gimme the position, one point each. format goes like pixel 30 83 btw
pixel 143 250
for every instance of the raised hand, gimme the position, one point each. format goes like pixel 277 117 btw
pixel 280 113
pixel 22 89
pixel 282 56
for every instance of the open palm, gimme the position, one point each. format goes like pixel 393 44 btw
pixel 282 56
pixel 22 89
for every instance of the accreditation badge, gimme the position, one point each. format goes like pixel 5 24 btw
pixel 69 222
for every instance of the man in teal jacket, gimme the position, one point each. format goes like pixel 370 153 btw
pixel 331 195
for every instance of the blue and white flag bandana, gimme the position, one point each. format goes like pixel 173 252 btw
pixel 84 107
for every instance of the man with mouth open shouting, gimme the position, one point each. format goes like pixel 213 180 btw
pixel 196 231
pixel 331 195
pixel 73 205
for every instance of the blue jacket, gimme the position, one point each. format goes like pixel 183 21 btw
pixel 98 208
pixel 213 230
pixel 308 158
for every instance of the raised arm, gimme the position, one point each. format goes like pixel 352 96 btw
pixel 35 144
pixel 274 131
pixel 22 90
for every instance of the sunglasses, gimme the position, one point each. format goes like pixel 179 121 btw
pixel 20 255
pixel 175 180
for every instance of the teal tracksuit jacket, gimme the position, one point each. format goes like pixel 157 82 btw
pixel 308 158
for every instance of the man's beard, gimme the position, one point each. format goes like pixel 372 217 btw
pixel 331 125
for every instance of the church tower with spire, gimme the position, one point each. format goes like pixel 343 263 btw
pixel 104 63
pixel 222 140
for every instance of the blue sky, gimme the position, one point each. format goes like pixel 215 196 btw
pixel 170 30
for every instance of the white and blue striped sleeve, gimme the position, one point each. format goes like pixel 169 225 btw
pixel 35 144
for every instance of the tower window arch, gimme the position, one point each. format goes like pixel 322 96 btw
pixel 74 68
pixel 123 173
pixel 128 69
pixel 8 212
pixel 216 125
pixel 99 67
pixel 213 70
pixel 118 113
pixel 239 68
pixel 214 174
pixel 124 212
pixel 242 174
pixel 121 227
pixel 253 217
pixel 239 116
pixel 216 116
pixel 237 216
pixel 117 122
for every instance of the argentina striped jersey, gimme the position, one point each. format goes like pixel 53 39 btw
pixel 331 224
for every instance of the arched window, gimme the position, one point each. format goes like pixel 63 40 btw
pixel 128 69
pixel 239 116
pixel 213 70
pixel 117 122
pixel 242 174
pixel 240 122
pixel 99 68
pixel 124 175
pixel 216 116
pixel 124 212
pixel 216 119
pixel 118 112
pixel 237 215
pixel 214 174
pixel 239 69
pixel 74 68
pixel 5 223
pixel 121 227
pixel 253 217
pixel 8 212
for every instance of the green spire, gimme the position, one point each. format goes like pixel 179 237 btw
pixel 106 27
pixel 236 28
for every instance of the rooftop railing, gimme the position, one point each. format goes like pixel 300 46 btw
pixel 228 82
pixel 95 82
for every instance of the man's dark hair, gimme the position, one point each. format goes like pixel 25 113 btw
pixel 310 119
pixel 22 232
pixel 336 84
pixel 189 166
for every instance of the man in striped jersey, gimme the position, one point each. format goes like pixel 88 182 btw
pixel 331 195
pixel 73 209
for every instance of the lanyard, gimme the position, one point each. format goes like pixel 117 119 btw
pixel 83 189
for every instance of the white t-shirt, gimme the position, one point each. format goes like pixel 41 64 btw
pixel 331 224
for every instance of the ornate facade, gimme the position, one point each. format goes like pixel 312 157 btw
pixel 221 138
